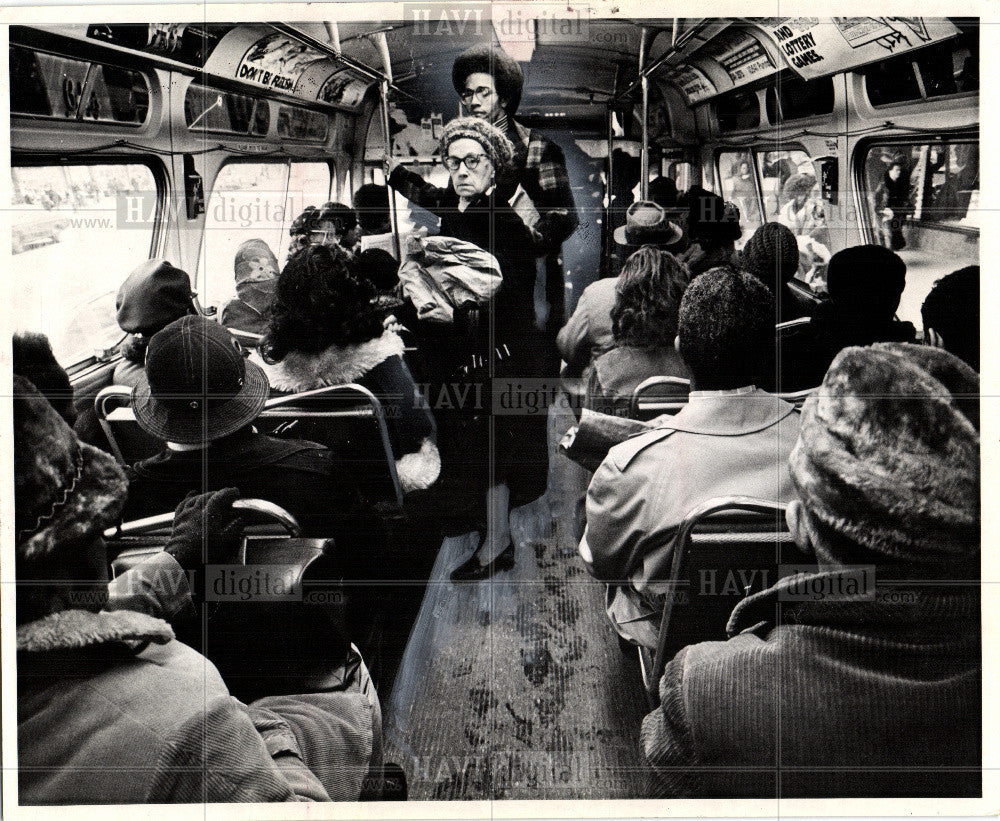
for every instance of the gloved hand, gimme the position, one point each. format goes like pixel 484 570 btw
pixel 206 529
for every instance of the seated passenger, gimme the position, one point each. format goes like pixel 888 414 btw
pixel 111 708
pixel 588 333
pixel 772 255
pixel 865 284
pixel 256 270
pixel 371 202
pixel 862 679
pixel 713 226
pixel 731 438
pixel 33 359
pixel 333 224
pixel 644 323
pixel 154 295
pixel 326 330
pixel 951 314
pixel 200 396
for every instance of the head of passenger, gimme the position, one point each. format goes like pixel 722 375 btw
pixel 488 82
pixel 648 296
pixel 371 202
pixel 951 311
pixel 663 191
pixel 154 295
pixel 34 360
pixel 725 330
pixel 332 224
pixel 887 464
pixel 319 303
pixel 647 223
pixel 65 494
pixel 256 271
pixel 798 189
pixel 197 386
pixel 474 151
pixel 379 267
pixel 712 222
pixel 865 284
pixel 771 255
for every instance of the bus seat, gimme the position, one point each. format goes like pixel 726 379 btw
pixel 129 443
pixel 248 340
pixel 797 398
pixel 806 299
pixel 348 419
pixel 659 395
pixel 725 549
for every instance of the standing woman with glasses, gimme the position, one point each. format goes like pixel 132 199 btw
pixel 502 459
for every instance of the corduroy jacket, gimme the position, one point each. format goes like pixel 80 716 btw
pixel 824 697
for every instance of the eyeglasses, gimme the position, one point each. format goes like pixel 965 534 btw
pixel 471 161
pixel 322 237
pixel 483 93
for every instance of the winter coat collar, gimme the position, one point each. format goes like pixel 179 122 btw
pixel 77 629
pixel 336 365
pixel 832 598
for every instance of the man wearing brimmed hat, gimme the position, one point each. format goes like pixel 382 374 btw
pixel 862 678
pixel 111 708
pixel 200 396
pixel 490 83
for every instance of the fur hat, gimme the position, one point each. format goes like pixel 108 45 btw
pixel 496 145
pixel 65 492
pixel 886 460
pixel 798 184
pixel 771 254
pixel 488 59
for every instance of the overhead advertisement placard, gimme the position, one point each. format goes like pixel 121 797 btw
pixel 277 62
pixel 693 83
pixel 741 55
pixel 816 48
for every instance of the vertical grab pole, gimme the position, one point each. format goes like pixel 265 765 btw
pixel 393 219
pixel 644 153
pixel 609 239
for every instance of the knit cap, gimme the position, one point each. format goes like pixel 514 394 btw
pixel 496 145
pixel 771 254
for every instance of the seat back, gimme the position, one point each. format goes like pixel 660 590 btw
pixel 348 419
pixel 129 443
pixel 248 340
pixel 724 550
pixel 659 395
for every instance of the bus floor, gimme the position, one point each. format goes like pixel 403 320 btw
pixel 516 687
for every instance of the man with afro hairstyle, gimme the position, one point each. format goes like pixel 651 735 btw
pixel 731 439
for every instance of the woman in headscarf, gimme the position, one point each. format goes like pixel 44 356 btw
pixel 256 270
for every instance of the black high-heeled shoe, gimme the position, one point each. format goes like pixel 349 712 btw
pixel 471 570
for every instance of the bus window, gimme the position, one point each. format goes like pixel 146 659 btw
pixel 738 186
pixel 790 185
pixel 923 202
pixel 254 201
pixel 66 224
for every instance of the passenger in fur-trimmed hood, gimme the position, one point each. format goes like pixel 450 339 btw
pixel 326 329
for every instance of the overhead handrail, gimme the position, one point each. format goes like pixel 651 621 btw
pixel 649 70
pixel 325 48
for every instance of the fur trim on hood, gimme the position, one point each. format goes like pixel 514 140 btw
pixel 75 629
pixel 336 365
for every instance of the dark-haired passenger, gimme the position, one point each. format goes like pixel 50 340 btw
pixel 731 439
pixel 35 361
pixel 865 284
pixel 644 326
pixel 951 314
pixel 371 203
pixel 713 226
pixel 326 329
pixel 332 224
